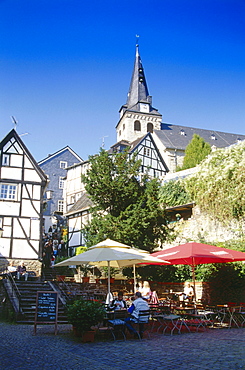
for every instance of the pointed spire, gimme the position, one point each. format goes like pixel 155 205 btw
pixel 138 91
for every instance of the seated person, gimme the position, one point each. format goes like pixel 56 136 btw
pixel 138 305
pixel 12 269
pixel 146 290
pixel 188 294
pixel 139 287
pixel 118 303
pixel 21 271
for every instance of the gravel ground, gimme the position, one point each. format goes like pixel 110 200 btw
pixel 214 349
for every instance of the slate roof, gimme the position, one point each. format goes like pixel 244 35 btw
pixel 178 137
pixel 83 203
pixel 50 156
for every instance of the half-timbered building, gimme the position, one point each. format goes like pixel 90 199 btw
pixel 22 186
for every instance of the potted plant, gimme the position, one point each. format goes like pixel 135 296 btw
pixel 83 315
pixel 85 269
pixel 113 272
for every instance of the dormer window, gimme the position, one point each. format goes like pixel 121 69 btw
pixel 182 132
pixel 239 140
pixel 213 137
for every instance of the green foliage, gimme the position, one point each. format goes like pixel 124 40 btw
pixel 84 314
pixel 126 209
pixel 113 271
pixel 218 187
pixel 111 181
pixel 227 282
pixel 195 152
pixel 161 273
pixel 173 273
pixel 173 193
pixel 86 269
pixel 80 249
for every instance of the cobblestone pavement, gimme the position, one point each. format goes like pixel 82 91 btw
pixel 215 349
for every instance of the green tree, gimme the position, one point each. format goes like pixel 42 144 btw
pixel 195 152
pixel 126 208
pixel 173 193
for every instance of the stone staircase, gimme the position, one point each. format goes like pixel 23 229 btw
pixel 28 292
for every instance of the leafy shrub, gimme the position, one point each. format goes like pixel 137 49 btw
pixel 84 314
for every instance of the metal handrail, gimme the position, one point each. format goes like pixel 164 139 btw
pixel 14 293
pixel 13 284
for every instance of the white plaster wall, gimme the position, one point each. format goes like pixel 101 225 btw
pixel 16 160
pixel 10 208
pixel 27 163
pixel 4 247
pixel 18 231
pixel 22 248
pixel 35 232
pixel 11 173
pixel 31 175
pixel 28 210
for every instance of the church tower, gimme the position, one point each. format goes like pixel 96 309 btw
pixel 137 116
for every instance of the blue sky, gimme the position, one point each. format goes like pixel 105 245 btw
pixel 65 67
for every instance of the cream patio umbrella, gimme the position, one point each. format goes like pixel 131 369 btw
pixel 112 254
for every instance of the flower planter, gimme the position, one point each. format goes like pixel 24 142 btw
pixel 61 277
pixel 85 279
pixel 87 336
pixel 105 281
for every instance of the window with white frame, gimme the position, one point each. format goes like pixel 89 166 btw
pixel 5 160
pixel 61 183
pixel 60 206
pixel 63 164
pixel 8 191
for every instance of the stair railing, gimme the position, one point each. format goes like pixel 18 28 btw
pixel 13 292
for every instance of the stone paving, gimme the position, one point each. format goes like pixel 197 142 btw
pixel 214 349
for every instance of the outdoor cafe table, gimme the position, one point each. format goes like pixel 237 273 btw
pixel 168 321
pixel 230 314
pixel 191 318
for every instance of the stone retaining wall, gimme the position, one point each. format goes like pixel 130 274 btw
pixel 201 227
pixel 31 265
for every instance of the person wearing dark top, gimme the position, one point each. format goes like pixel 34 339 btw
pixel 21 271
pixel 118 303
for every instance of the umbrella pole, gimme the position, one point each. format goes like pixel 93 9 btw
pixel 194 283
pixel 134 278
pixel 109 278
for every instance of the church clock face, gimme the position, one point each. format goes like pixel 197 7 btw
pixel 144 107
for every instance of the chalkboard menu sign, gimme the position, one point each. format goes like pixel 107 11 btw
pixel 46 308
